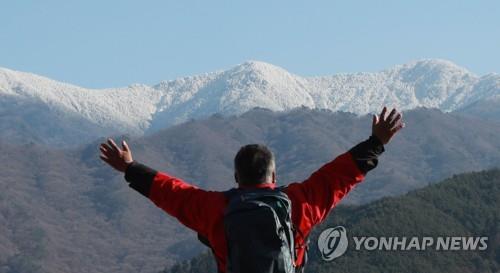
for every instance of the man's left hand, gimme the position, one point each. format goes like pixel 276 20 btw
pixel 117 158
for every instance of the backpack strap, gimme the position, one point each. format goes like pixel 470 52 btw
pixel 204 240
pixel 231 192
pixel 305 242
pixel 305 245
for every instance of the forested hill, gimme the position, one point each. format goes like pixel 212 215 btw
pixel 463 205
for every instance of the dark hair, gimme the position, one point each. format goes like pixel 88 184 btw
pixel 253 164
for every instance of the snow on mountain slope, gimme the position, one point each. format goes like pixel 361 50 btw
pixel 486 101
pixel 249 85
pixel 429 83
pixel 123 109
pixel 138 108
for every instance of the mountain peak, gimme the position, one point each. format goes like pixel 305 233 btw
pixel 258 65
pixel 429 66
pixel 259 68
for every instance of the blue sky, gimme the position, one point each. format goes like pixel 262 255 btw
pixel 116 43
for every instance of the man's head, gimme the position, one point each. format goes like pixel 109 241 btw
pixel 254 164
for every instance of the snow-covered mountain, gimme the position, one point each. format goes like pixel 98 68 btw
pixel 63 111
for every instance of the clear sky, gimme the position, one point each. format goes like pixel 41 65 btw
pixel 116 43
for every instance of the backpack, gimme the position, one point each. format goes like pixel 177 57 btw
pixel 259 231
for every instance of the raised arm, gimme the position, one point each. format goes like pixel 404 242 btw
pixel 190 205
pixel 324 189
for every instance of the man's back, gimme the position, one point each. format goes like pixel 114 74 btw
pixel 203 211
pixel 311 200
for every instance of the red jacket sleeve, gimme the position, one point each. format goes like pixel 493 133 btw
pixel 314 198
pixel 191 205
pixel 317 195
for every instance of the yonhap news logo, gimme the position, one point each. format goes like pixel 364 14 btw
pixel 333 243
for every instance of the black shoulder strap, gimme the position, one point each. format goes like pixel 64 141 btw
pixel 204 240
pixel 305 241
pixel 231 192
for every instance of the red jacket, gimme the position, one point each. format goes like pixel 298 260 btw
pixel 312 199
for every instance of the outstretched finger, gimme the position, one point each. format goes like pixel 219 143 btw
pixel 375 120
pixel 104 158
pixel 105 147
pixel 125 146
pixel 382 114
pixel 395 121
pixel 397 128
pixel 113 144
pixel 391 115
pixel 104 151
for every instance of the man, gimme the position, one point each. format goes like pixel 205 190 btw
pixel 311 200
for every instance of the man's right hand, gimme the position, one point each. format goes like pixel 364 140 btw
pixel 117 158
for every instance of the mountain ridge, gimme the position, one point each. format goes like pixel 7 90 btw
pixel 141 109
